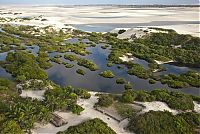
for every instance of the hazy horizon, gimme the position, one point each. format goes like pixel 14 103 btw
pixel 97 2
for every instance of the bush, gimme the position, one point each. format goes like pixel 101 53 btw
pixel 93 126
pixel 157 122
pixel 151 81
pixel 128 86
pixel 128 96
pixel 120 81
pixel 175 100
pixel 110 64
pixel 107 74
pixel 70 57
pixel 144 96
pixel 104 101
pixel 124 110
pixel 76 109
pixel 80 71
pixel 24 64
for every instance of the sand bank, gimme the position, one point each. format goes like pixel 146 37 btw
pixel 182 19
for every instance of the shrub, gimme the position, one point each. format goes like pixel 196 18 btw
pixel 93 126
pixel 107 74
pixel 120 81
pixel 80 71
pixel 128 96
pixel 105 101
pixel 76 109
pixel 157 122
pixel 128 86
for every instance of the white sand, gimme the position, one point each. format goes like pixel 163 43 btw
pixel 163 62
pixel 138 32
pixel 156 106
pixel 88 113
pixel 98 15
pixel 196 107
pixel 35 94
pixel 125 58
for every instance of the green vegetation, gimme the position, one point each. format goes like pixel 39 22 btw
pixel 124 110
pixel 161 47
pixel 19 114
pixel 139 71
pixel 128 86
pixel 76 109
pixel 183 80
pixel 67 65
pixel 128 96
pixel 105 46
pixel 56 60
pixel 6 84
pixel 43 60
pixel 24 64
pixel 107 74
pixel 82 62
pixel 104 100
pixel 120 81
pixel 174 100
pixel 10 127
pixel 110 64
pixel 151 81
pixel 164 122
pixel 88 64
pixel 93 126
pixel 70 57
pixel 81 72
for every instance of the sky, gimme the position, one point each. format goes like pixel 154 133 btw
pixel 84 2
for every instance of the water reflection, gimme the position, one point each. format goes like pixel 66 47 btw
pixel 92 81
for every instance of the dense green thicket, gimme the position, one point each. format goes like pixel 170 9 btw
pixel 43 60
pixel 21 113
pixel 6 84
pixel 9 126
pixel 107 74
pixel 174 100
pixel 104 100
pixel 128 85
pixel 80 71
pixel 164 123
pixel 82 62
pixel 139 71
pixel 93 126
pixel 124 110
pixel 120 81
pixel 183 80
pixel 25 112
pixel 24 64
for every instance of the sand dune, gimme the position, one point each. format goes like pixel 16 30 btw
pixel 183 19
